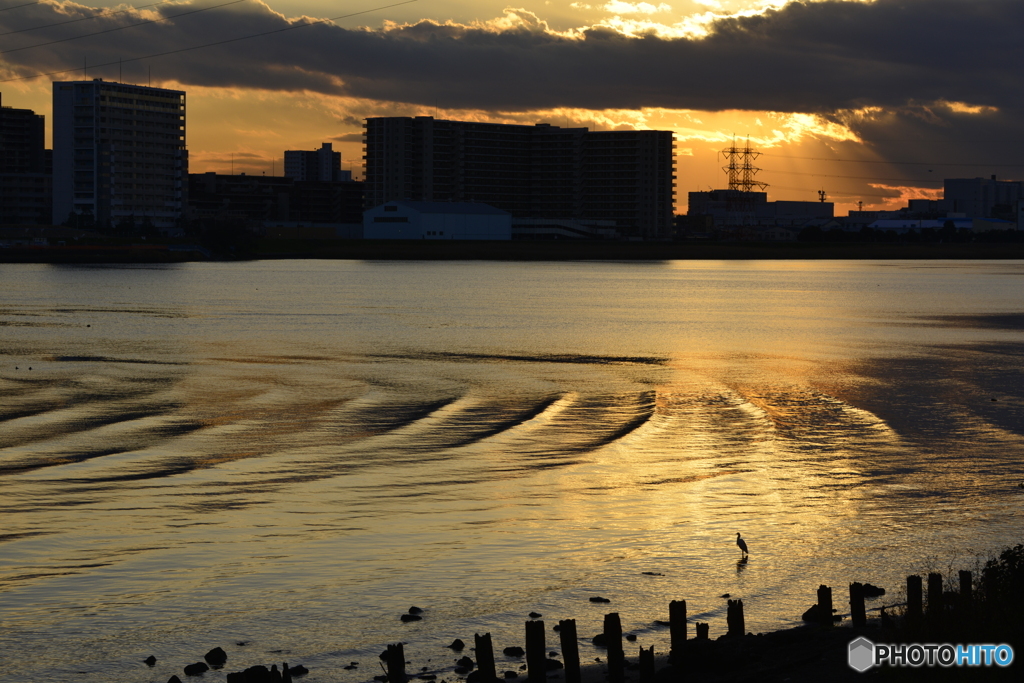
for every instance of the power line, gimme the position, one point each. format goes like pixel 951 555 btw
pixel 891 163
pixel 105 13
pixel 121 28
pixel 219 42
pixel 27 4
pixel 853 177
pixel 834 193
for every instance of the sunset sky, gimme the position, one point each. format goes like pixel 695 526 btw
pixel 873 101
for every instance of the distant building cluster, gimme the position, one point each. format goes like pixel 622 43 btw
pixel 974 204
pixel 119 164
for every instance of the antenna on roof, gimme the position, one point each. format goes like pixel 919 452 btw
pixel 821 196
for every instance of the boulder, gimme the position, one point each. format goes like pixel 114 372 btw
pixel 466 663
pixel 514 651
pixel 254 674
pixel 411 617
pixel 814 614
pixel 457 645
pixel 216 657
pixel 196 669
pixel 598 598
pixel 150 660
pixel 873 591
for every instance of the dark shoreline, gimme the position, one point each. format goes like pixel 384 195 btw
pixel 421 250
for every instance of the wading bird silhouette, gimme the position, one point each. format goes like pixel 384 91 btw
pixel 741 543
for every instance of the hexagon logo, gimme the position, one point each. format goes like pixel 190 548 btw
pixel 861 654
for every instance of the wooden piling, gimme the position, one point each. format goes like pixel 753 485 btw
pixel 485 658
pixel 677 627
pixel 858 614
pixel 915 599
pixel 736 625
pixel 966 591
pixel 396 663
pixel 934 595
pixel 536 653
pixel 702 631
pixel 825 604
pixel 647 665
pixel 616 656
pixel 570 650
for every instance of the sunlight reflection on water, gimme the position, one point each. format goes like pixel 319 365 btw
pixel 293 453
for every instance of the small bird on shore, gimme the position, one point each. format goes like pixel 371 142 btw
pixel 741 543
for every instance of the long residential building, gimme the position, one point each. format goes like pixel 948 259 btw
pixel 540 171
pixel 118 153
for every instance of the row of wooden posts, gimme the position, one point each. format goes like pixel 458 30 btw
pixel 915 612
pixel 536 646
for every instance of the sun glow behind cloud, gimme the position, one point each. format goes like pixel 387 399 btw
pixel 271 100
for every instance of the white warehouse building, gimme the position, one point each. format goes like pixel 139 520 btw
pixel 409 220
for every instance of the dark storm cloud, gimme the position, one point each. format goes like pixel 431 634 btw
pixel 817 57
pixel 829 58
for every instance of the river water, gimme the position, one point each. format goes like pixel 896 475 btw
pixel 290 454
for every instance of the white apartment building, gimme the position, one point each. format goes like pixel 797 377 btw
pixel 119 153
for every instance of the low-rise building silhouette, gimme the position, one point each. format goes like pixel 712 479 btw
pixel 412 220
pixel 727 210
pixel 280 204
pixel 983 197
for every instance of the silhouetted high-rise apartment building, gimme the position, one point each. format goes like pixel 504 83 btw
pixel 25 182
pixel 119 153
pixel 320 164
pixel 540 171
pixel 22 142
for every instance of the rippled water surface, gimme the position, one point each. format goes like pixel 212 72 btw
pixel 291 454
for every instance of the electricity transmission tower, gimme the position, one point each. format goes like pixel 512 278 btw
pixel 741 169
